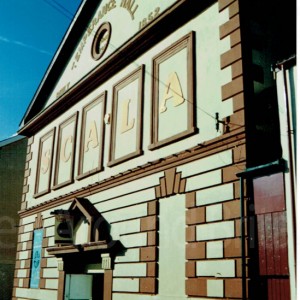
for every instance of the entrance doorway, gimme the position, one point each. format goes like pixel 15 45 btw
pixel 84 286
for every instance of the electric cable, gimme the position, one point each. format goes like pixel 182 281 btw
pixel 70 17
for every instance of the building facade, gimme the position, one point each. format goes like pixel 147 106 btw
pixel 12 165
pixel 156 167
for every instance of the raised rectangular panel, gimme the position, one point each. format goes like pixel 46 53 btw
pixel 214 249
pixel 130 270
pixel 128 90
pixel 214 213
pixel 22 264
pixel 24 246
pixel 130 199
pixel 49 222
pixel 203 180
pixel 216 268
pixel 50 273
pixel 63 167
pixel 118 229
pixel 50 231
pixel 51 241
pixel 208 163
pixel 172 240
pixel 52 262
pixel 23 254
pixel 215 288
pixel 130 255
pixel 134 240
pixel 125 285
pixel 215 231
pixel 173 66
pixel 28 228
pixel 25 237
pixel 21 282
pixel 35 293
pixel 22 273
pixel 131 212
pixel 51 284
pixel 215 194
pixel 27 220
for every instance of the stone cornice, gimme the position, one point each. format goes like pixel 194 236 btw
pixel 216 145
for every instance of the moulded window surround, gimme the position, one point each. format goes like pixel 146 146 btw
pixel 187 42
pixel 97 104
pixel 137 75
pixel 45 161
pixel 60 152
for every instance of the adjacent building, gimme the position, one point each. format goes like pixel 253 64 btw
pixel 12 165
pixel 161 155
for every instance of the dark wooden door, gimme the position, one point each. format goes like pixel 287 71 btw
pixel 270 210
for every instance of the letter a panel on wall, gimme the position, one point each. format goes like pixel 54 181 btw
pixel 173 93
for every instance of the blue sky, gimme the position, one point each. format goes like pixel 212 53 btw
pixel 30 32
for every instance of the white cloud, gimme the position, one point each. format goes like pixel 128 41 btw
pixel 21 44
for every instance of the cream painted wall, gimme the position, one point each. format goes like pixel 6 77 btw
pixel 123 207
pixel 171 250
pixel 208 100
pixel 35 294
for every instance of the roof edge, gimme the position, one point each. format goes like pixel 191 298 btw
pixel 64 51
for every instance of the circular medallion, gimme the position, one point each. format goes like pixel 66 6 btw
pixel 101 40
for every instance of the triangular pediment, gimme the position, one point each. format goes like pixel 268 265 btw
pixel 83 207
pixel 100 30
pixel 80 224
pixel 88 224
pixel 94 229
pixel 113 23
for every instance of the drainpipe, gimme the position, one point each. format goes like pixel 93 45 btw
pixel 290 131
pixel 243 246
pixel 286 90
pixel 250 173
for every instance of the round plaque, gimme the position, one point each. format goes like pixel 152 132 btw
pixel 101 40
